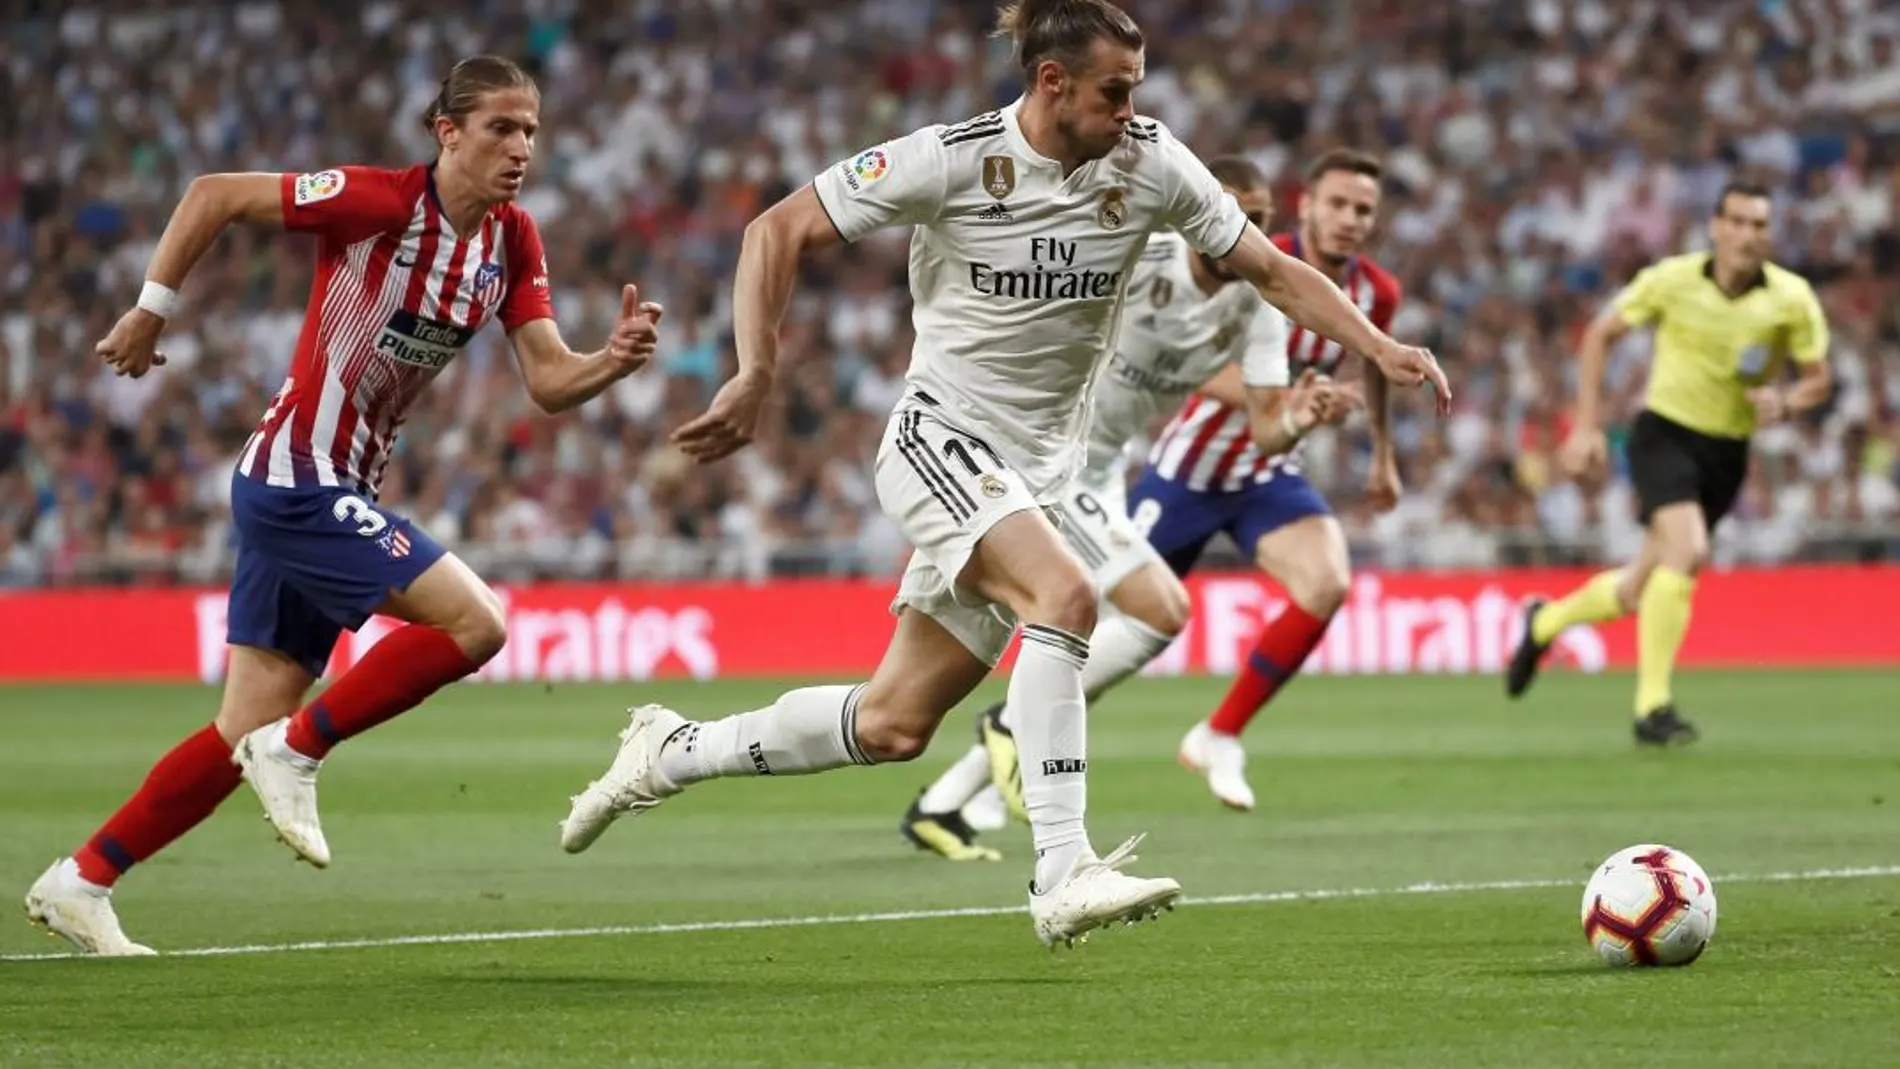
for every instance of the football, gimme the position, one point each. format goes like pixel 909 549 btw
pixel 1649 905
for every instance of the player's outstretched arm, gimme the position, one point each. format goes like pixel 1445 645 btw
pixel 1312 301
pixel 761 291
pixel 559 378
pixel 211 203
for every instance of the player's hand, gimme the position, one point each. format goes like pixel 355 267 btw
pixel 731 421
pixel 1770 406
pixel 636 334
pixel 1410 365
pixel 1383 485
pixel 1337 400
pixel 130 347
pixel 1315 399
pixel 1584 452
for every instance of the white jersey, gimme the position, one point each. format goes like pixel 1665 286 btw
pixel 1017 272
pixel 1174 337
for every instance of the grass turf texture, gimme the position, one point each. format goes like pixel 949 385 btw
pixel 444 823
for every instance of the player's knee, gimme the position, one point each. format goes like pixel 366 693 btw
pixel 481 629
pixel 1321 588
pixel 1169 615
pixel 1687 552
pixel 1067 601
pixel 889 731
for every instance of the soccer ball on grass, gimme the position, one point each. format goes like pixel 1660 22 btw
pixel 1649 905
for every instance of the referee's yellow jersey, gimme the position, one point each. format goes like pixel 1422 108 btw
pixel 1710 348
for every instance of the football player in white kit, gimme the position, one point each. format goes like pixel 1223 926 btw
pixel 1027 223
pixel 1186 318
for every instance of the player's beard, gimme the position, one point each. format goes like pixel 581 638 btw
pixel 1083 148
pixel 1326 261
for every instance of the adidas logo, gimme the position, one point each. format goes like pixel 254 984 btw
pixel 995 214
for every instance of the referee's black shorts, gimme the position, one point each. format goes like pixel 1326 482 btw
pixel 1670 464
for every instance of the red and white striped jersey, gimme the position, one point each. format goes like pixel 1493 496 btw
pixel 398 295
pixel 1208 446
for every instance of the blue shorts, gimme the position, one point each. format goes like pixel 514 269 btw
pixel 1179 522
pixel 313 561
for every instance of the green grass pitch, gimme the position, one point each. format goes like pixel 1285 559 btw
pixel 1406 895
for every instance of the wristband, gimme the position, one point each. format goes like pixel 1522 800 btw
pixel 1291 428
pixel 159 299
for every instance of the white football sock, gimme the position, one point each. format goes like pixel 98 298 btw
pixel 959 783
pixel 808 730
pixel 1120 647
pixel 1052 743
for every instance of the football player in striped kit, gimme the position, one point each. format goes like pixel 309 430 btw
pixel 411 264
pixel 1207 474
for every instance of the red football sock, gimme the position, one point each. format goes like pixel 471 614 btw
pixel 394 677
pixel 1282 648
pixel 183 789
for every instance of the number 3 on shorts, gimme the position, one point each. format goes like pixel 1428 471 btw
pixel 358 511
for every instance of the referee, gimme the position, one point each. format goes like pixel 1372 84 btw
pixel 1727 324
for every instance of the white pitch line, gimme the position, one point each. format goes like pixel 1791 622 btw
pixel 1863 872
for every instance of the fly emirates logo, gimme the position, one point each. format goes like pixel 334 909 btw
pixel 1050 276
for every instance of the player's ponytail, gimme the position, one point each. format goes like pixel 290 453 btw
pixel 468 82
pixel 1063 30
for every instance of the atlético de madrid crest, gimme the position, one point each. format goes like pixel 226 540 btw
pixel 488 282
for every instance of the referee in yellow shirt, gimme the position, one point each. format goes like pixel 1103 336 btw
pixel 1727 323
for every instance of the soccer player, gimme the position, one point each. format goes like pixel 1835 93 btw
pixel 411 264
pixel 1187 316
pixel 1027 223
pixel 1727 322
pixel 1207 473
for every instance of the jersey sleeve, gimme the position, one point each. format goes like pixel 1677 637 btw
pixel 1386 296
pixel 1196 205
pixel 1807 335
pixel 1263 359
pixel 348 203
pixel 1641 301
pixel 529 295
pixel 897 182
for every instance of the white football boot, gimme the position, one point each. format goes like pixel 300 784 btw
pixel 286 782
pixel 1095 894
pixel 67 905
pixel 632 784
pixel 1222 761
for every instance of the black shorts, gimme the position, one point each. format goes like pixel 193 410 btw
pixel 1670 464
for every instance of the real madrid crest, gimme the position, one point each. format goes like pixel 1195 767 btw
pixel 1114 212
pixel 999 176
pixel 992 486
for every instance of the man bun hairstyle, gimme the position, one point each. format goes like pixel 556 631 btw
pixel 468 82
pixel 1063 30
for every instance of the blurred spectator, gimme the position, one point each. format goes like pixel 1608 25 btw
pixel 1539 152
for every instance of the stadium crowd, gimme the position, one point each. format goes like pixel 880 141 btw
pixel 1539 151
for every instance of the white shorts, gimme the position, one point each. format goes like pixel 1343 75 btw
pixel 1094 520
pixel 945 487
